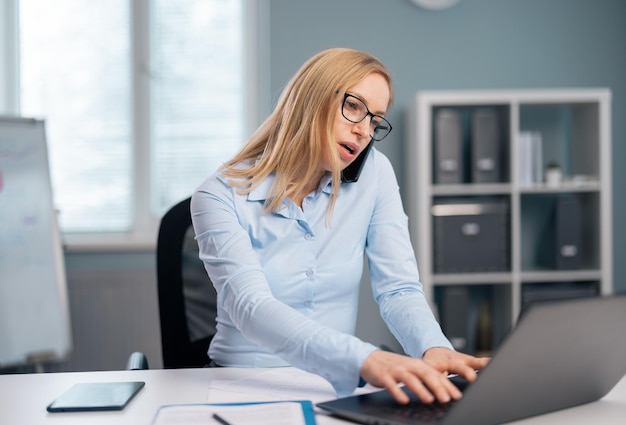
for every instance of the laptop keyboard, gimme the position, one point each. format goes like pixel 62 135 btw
pixel 419 411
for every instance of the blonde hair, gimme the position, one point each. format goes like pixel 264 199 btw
pixel 290 141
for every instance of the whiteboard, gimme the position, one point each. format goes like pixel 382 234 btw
pixel 34 310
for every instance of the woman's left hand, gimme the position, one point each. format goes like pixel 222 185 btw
pixel 449 361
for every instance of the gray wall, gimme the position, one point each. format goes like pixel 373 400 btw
pixel 477 44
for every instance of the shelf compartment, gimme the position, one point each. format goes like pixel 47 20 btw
pixel 570 136
pixel 476 317
pixel 543 242
pixel 470 144
pixel 471 234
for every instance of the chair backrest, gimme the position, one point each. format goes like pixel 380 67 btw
pixel 187 299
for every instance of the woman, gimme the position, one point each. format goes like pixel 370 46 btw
pixel 283 240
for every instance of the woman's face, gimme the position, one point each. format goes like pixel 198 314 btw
pixel 351 138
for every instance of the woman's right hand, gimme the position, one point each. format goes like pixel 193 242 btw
pixel 387 370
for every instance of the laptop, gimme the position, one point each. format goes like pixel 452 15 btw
pixel 561 354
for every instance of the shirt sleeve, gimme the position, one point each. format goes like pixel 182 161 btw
pixel 244 294
pixel 393 270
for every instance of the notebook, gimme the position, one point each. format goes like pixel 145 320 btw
pixel 560 354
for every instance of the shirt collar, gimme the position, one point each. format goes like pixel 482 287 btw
pixel 326 183
pixel 261 192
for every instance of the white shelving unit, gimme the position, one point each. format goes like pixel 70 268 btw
pixel 576 132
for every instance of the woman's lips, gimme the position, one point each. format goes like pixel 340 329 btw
pixel 348 151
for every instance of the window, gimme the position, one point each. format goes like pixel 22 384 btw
pixel 142 101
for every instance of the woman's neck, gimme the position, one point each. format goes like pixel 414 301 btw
pixel 311 187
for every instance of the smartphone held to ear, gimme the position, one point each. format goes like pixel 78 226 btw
pixel 351 173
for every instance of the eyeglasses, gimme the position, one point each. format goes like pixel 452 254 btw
pixel 355 110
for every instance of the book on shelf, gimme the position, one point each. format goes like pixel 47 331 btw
pixel 530 158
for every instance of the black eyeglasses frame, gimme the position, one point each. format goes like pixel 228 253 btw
pixel 368 114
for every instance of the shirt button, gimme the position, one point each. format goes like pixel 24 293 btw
pixel 308 304
pixel 308 236
pixel 309 272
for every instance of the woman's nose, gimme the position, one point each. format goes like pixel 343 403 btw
pixel 362 128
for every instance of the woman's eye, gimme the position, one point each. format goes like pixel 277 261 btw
pixel 352 105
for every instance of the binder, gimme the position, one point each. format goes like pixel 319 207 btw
pixel 561 246
pixel 486 146
pixel 455 321
pixel 568 233
pixel 448 152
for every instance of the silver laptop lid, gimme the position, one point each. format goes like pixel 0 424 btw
pixel 560 354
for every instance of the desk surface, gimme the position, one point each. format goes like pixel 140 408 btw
pixel 23 398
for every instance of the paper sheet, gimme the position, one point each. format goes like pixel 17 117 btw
pixel 284 383
pixel 284 413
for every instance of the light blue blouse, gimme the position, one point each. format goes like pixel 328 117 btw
pixel 287 282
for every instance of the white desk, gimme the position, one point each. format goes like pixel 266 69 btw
pixel 23 398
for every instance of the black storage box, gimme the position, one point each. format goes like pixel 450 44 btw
pixel 471 237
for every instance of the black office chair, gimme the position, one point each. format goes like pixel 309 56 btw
pixel 187 299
